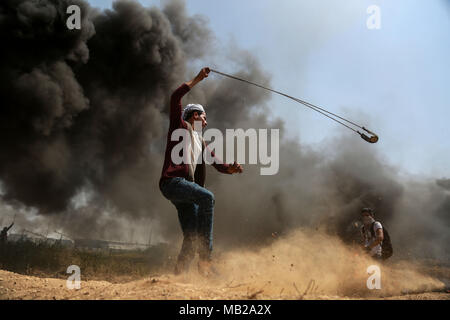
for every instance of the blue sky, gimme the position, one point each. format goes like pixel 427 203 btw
pixel 394 80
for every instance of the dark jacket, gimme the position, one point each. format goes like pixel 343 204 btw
pixel 171 170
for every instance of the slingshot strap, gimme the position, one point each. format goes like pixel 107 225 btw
pixel 371 139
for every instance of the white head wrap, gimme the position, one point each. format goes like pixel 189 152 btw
pixel 192 107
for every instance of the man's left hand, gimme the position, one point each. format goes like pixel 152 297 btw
pixel 235 167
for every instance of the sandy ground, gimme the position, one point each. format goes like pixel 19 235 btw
pixel 16 286
pixel 302 265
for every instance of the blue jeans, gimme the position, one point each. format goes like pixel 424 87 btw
pixel 195 206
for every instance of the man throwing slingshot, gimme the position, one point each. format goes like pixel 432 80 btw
pixel 183 184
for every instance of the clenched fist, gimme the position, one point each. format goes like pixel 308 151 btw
pixel 235 167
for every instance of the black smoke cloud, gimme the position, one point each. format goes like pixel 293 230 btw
pixel 40 98
pixel 86 110
pixel 83 106
pixel 84 114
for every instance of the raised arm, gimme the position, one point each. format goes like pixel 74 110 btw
pixel 199 77
pixel 10 226
pixel 175 99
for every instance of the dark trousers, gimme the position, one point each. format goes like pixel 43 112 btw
pixel 195 206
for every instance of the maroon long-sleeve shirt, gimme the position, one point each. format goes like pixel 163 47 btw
pixel 172 170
